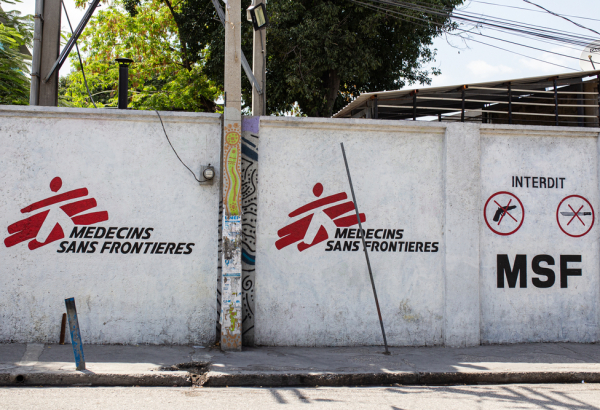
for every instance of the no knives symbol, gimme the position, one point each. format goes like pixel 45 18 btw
pixel 575 216
pixel 504 213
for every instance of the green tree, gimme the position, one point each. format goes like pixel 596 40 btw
pixel 321 53
pixel 15 34
pixel 166 73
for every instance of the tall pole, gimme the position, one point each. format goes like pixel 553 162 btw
pixel 231 283
pixel 34 92
pixel 259 62
pixel 365 249
pixel 48 90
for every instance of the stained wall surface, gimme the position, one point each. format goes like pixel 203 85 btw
pixel 516 261
pixel 477 233
pixel 321 295
pixel 548 168
pixel 126 289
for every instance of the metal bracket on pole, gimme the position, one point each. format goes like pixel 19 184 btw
pixel 245 64
pixel 69 46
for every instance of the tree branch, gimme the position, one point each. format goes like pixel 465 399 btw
pixel 184 58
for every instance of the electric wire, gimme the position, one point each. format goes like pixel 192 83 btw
pixel 173 148
pixel 78 55
pixel 441 26
pixel 552 42
pixel 489 21
pixel 522 55
pixel 562 17
pixel 534 11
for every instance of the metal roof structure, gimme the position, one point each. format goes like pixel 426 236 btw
pixel 562 99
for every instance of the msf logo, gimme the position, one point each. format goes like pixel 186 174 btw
pixel 310 229
pixel 45 227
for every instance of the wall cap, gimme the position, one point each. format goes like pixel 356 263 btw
pixel 424 127
pixel 353 124
pixel 538 130
pixel 107 114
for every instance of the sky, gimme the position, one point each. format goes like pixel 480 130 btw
pixel 475 62
pixel 462 63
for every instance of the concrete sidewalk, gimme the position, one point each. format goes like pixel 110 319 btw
pixel 117 365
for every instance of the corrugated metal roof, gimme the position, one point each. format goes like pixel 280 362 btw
pixel 530 83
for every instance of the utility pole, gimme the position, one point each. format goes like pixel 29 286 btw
pixel 34 92
pixel 50 43
pixel 259 63
pixel 231 281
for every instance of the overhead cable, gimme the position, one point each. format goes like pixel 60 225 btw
pixel 475 33
pixel 490 21
pixel 373 7
pixel 562 17
pixel 533 11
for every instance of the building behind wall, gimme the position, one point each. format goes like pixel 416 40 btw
pixel 563 100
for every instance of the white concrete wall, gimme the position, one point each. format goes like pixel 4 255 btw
pixel 318 297
pixel 126 163
pixel 431 180
pixel 535 314
pixel 461 235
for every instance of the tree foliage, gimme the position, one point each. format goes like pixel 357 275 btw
pixel 166 74
pixel 321 53
pixel 16 32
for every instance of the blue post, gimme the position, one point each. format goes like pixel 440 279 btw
pixel 75 334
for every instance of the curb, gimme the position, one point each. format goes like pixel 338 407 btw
pixel 96 379
pixel 216 379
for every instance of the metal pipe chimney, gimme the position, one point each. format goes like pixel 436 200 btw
pixel 123 81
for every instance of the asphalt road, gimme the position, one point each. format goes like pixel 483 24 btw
pixel 564 396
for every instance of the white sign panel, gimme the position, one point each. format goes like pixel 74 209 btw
pixel 539 239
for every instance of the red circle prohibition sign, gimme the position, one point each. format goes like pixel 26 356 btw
pixel 575 216
pixel 505 212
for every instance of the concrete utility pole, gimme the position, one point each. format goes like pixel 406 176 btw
pixel 48 91
pixel 231 282
pixel 259 62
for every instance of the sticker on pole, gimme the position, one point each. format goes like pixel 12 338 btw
pixel 575 216
pixel 504 213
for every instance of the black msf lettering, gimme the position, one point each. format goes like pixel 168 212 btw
pixel 547 272
pixel 518 271
pixel 565 272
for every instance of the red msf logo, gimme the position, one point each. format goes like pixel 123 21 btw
pixel 30 228
pixel 297 231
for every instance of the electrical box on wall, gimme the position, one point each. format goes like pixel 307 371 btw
pixel 207 174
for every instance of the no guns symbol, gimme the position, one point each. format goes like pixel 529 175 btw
pixel 503 213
